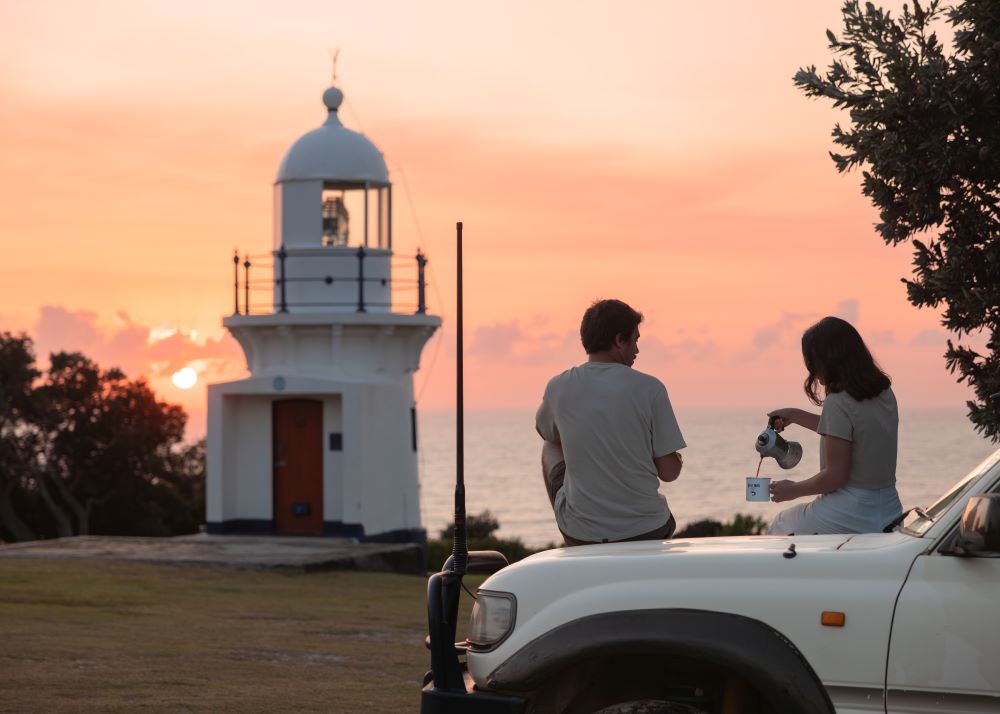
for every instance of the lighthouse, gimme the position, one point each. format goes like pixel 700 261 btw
pixel 321 437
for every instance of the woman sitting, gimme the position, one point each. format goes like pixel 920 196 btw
pixel 856 483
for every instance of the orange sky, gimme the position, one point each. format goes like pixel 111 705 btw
pixel 655 152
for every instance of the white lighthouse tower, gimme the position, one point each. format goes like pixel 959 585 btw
pixel 321 437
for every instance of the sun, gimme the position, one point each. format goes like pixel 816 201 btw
pixel 185 378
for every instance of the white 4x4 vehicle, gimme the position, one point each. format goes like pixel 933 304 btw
pixel 902 621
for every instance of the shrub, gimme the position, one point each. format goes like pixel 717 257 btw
pixel 480 529
pixel 742 524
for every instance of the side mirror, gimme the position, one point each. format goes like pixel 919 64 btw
pixel 979 531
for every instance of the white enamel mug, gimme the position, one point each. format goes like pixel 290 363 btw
pixel 758 488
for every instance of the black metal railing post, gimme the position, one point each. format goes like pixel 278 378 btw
pixel 361 279
pixel 281 258
pixel 421 293
pixel 246 285
pixel 236 282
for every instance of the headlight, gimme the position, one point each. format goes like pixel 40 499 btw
pixel 492 619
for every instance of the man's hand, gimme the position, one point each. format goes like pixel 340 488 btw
pixel 783 490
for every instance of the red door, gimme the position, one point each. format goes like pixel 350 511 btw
pixel 298 466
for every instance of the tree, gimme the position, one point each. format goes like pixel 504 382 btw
pixel 17 442
pixel 925 130
pixel 85 450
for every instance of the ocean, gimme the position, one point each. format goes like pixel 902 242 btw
pixel 503 472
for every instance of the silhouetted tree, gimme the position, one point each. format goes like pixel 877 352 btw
pixel 17 442
pixel 925 130
pixel 85 450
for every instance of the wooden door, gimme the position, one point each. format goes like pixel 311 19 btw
pixel 298 466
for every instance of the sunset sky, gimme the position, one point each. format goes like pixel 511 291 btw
pixel 657 152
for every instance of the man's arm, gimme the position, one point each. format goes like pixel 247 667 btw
pixel 552 454
pixel 666 436
pixel 668 467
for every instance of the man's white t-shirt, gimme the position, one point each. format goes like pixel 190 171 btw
pixel 612 422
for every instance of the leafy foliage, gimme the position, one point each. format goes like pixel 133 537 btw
pixel 925 132
pixel 482 525
pixel 742 524
pixel 85 450
pixel 480 529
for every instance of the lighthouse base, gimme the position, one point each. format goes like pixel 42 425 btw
pixel 333 529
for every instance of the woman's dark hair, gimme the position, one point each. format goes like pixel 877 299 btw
pixel 604 321
pixel 835 353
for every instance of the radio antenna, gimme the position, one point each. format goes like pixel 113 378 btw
pixel 460 549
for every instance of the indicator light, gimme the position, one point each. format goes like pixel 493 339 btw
pixel 832 619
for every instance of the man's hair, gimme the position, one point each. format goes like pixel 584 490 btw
pixel 604 321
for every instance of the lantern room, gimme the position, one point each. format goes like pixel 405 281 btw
pixel 332 203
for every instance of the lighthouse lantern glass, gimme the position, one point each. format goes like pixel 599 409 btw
pixel 336 219
pixel 354 216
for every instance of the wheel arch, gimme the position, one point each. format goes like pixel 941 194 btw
pixel 764 657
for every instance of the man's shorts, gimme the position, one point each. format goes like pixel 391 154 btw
pixel 554 481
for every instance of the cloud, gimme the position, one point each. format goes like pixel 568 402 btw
pixel 847 310
pixel 930 336
pixel 789 323
pixel 792 324
pixel 688 346
pixel 59 326
pixel 700 350
pixel 496 341
pixel 881 337
pixel 533 344
pixel 515 344
pixel 768 336
pixel 138 350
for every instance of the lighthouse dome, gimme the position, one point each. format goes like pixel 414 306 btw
pixel 334 153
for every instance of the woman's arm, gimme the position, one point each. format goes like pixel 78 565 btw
pixel 791 415
pixel 836 474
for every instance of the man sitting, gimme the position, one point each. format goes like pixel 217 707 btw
pixel 610 437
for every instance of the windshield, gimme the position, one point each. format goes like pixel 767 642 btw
pixel 920 520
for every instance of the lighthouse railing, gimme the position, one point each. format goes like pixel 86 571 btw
pixel 265 295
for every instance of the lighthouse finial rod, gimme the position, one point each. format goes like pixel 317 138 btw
pixel 334 54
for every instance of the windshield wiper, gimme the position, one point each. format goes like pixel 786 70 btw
pixel 901 517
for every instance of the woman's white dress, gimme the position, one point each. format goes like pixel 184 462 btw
pixel 846 510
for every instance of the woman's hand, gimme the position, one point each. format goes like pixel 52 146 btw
pixel 782 418
pixel 783 490
pixel 791 415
